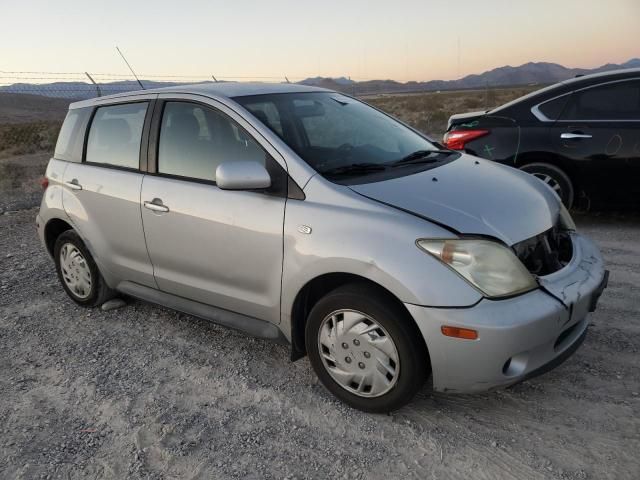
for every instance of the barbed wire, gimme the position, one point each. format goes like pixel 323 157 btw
pixel 33 104
pixel 82 85
pixel 114 76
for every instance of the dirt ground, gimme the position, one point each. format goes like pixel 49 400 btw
pixel 145 392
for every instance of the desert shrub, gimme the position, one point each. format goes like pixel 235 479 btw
pixel 23 138
pixel 491 99
pixel 472 102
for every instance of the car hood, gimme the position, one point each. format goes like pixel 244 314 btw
pixel 473 196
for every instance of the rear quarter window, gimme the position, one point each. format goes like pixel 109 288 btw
pixel 71 136
pixel 552 109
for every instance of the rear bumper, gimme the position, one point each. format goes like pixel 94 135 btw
pixel 520 337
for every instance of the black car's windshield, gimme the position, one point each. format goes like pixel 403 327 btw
pixel 338 135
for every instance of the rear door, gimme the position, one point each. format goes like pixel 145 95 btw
pixel 102 193
pixel 218 247
pixel 599 130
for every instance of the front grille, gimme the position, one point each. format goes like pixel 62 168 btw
pixel 545 253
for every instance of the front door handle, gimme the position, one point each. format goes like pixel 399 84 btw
pixel 73 184
pixel 571 135
pixel 156 205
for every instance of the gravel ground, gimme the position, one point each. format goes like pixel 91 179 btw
pixel 145 392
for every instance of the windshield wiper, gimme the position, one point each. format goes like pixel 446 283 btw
pixel 354 169
pixel 420 156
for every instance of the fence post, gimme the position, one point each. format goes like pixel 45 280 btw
pixel 92 81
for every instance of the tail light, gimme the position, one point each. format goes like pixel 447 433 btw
pixel 44 183
pixel 457 139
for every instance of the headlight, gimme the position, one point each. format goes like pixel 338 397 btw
pixel 566 222
pixel 490 267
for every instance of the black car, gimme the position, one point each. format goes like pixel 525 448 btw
pixel 580 136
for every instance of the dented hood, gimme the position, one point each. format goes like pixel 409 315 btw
pixel 473 196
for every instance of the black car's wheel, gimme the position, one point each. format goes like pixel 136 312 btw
pixel 78 273
pixel 365 350
pixel 555 178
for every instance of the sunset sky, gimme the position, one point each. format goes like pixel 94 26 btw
pixel 401 39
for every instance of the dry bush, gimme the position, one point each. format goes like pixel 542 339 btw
pixel 429 112
pixel 24 138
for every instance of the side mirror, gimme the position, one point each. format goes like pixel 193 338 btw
pixel 242 175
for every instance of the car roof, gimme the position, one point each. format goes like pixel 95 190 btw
pixel 569 85
pixel 213 89
pixel 596 77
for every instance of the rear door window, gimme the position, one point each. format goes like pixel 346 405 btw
pixel 115 135
pixel 613 101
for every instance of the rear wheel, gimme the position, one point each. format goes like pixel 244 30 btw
pixel 78 273
pixel 365 349
pixel 556 178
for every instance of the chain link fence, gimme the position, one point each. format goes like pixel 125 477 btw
pixel 33 104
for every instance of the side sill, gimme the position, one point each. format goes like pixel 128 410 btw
pixel 250 325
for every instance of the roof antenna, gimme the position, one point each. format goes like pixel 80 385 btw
pixel 285 77
pixel 214 78
pixel 134 73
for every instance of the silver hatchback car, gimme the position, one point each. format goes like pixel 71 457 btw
pixel 305 216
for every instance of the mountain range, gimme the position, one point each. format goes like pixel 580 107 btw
pixel 526 74
pixel 531 73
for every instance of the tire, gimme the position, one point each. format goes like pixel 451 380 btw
pixel 88 294
pixel 373 388
pixel 556 178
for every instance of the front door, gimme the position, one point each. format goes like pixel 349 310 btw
pixel 219 247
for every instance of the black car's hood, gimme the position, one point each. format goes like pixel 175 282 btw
pixel 473 196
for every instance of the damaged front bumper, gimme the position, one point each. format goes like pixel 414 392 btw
pixel 519 337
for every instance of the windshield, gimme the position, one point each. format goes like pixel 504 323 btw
pixel 336 134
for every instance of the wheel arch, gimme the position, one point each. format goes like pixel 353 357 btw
pixel 317 288
pixel 52 230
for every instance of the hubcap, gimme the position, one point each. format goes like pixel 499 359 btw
pixel 75 271
pixel 549 181
pixel 358 353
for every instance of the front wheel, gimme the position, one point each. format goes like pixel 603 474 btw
pixel 556 178
pixel 366 349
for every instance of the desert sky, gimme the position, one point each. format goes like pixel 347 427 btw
pixel 402 39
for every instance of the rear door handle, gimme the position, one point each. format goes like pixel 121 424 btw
pixel 570 135
pixel 156 205
pixel 73 184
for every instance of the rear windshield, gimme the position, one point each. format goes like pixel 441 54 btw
pixel 71 136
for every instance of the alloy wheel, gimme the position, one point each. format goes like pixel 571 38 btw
pixel 549 180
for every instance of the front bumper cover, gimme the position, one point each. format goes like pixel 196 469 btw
pixel 519 337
